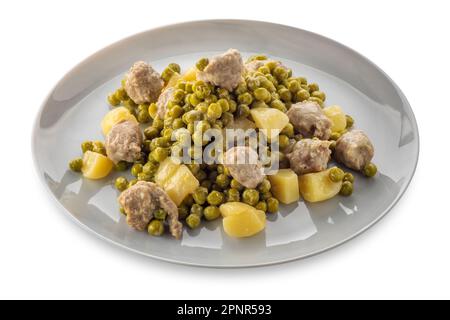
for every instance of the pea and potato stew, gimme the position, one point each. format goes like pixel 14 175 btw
pixel 225 138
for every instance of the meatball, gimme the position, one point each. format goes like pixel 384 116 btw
pixel 163 100
pixel 308 118
pixel 224 70
pixel 244 166
pixel 123 142
pixel 309 155
pixel 140 202
pixel 354 150
pixel 143 84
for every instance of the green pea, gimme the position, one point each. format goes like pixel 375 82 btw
pixel 178 124
pixel 144 176
pixel 223 181
pixel 253 84
pixel 250 196
pixel 302 95
pixel 285 95
pixel 201 175
pixel 266 195
pixel 201 91
pixel 202 63
pixel 288 130
pixel 313 87
pixel 214 111
pixel 200 195
pixel 349 177
pixel 160 154
pixel 158 124
pixel 207 184
pixel 87 146
pixel 258 104
pixel 197 209
pixel 280 73
pixel 236 185
pixel 192 116
pixel 150 168
pixel 257 57
pixel 76 164
pixel 319 94
pixel 121 166
pixel 241 88
pixel 215 198
pixel 167 74
pixel 233 106
pixel 151 132
pixel 193 221
pixel 175 67
pixel 283 141
pixel 317 100
pixel 211 99
pixel 279 105
pixel 332 145
pixel 132 182
pixel 262 94
pixel 350 121
pixel 113 100
pixel 136 169
pixel 143 116
pixel 294 86
pixel 245 98
pixel 160 214
pixel 156 228
pixel 99 147
pixel 121 94
pixel 262 205
pixel 130 105
pixel 194 99
pixel 335 135
pixel 243 111
pixel 370 170
pixel 121 183
pixel 233 195
pixel 183 211
pixel 346 189
pixel 211 213
pixel 181 85
pixel 264 186
pixel 336 174
pixel 272 205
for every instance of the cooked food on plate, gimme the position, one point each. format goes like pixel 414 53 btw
pixel 169 135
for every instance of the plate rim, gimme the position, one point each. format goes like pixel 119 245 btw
pixel 406 105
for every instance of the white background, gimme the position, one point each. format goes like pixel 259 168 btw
pixel 44 255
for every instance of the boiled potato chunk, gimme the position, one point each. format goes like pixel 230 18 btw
pixel 337 117
pixel 96 165
pixel 317 186
pixel 285 186
pixel 241 220
pixel 165 171
pixel 173 80
pixel 176 179
pixel 115 116
pixel 190 75
pixel 273 120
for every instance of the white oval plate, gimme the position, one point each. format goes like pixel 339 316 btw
pixel 73 110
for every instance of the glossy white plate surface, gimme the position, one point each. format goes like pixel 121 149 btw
pixel 75 107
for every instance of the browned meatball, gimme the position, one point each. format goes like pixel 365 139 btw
pixel 123 142
pixel 143 84
pixel 308 118
pixel 354 150
pixel 224 70
pixel 244 166
pixel 140 202
pixel 309 155
pixel 163 100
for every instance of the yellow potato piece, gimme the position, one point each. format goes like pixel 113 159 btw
pixel 115 116
pixel 190 75
pixel 96 165
pixel 165 171
pixel 285 186
pixel 316 187
pixel 273 120
pixel 241 220
pixel 337 117
pixel 173 80
pixel 176 179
